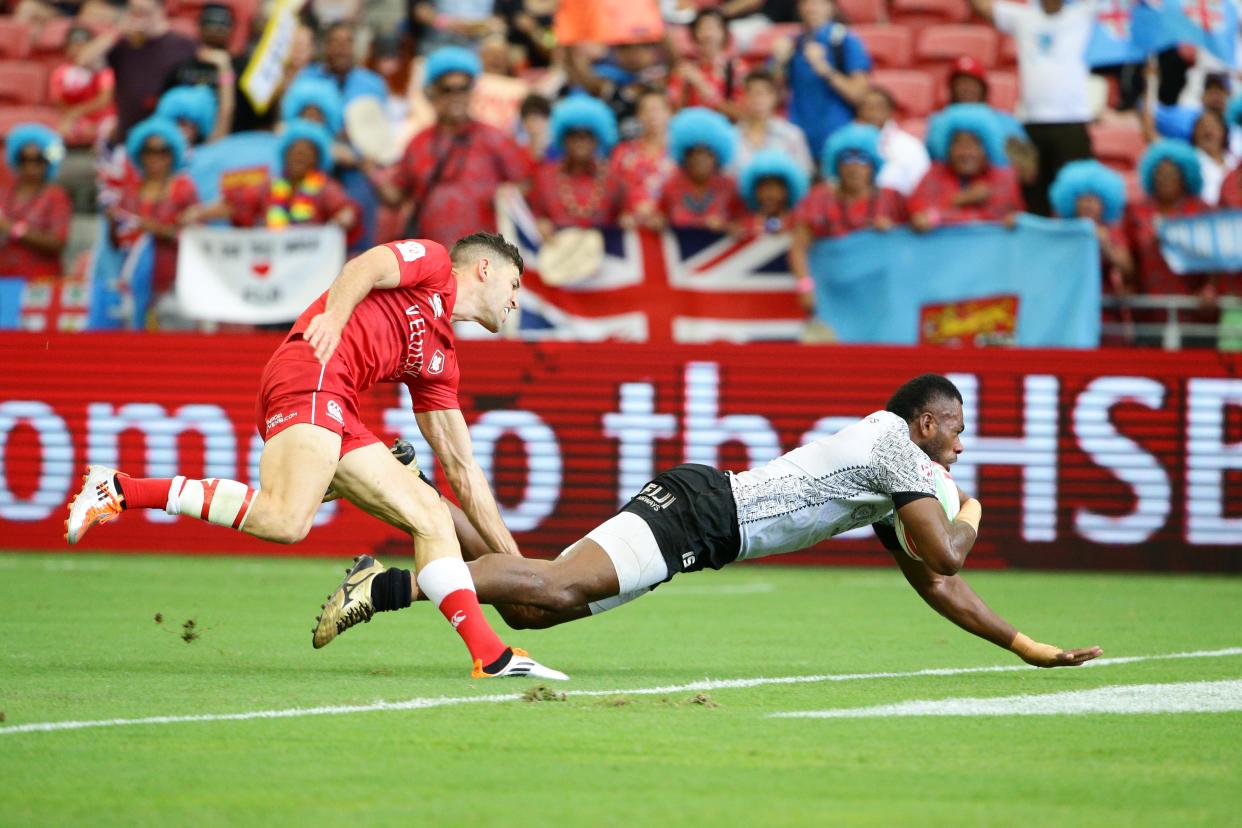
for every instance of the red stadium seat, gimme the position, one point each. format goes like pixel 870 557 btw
pixel 889 46
pixel 23 82
pixel 1008 51
pixel 943 44
pixel 1134 187
pixel 913 91
pixel 855 12
pixel 1003 90
pixel 923 11
pixel 761 46
pixel 915 126
pixel 14 38
pixel 51 39
pixel 11 116
pixel 1117 143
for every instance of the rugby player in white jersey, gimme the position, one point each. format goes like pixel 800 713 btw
pixel 693 517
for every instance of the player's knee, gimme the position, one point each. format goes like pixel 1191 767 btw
pixel 293 528
pixel 432 519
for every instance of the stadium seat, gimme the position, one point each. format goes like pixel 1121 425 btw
pixel 11 116
pixel 1008 51
pixel 915 126
pixel 679 37
pixel 1134 187
pixel 1003 90
pixel 914 91
pixel 23 82
pixel 929 11
pixel 1117 143
pixel 889 46
pixel 943 44
pixel 856 12
pixel 51 38
pixel 14 38
pixel 761 46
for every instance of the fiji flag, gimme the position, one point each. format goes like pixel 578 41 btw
pixel 1208 24
pixel 1112 42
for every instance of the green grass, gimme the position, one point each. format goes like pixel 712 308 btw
pixel 78 641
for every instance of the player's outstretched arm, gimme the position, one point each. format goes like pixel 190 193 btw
pixel 376 268
pixel 446 433
pixel 953 598
pixel 942 544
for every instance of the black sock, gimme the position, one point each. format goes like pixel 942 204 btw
pixel 500 663
pixel 390 590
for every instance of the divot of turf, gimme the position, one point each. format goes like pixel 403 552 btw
pixel 542 693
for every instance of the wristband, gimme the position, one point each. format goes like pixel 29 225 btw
pixel 227 78
pixel 18 229
pixel 805 285
pixel 1027 650
pixel 971 513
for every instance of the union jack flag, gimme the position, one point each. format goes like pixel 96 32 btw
pixel 677 286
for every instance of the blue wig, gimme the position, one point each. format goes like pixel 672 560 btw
pixel 862 138
pixel 701 127
pixel 979 120
pixel 319 93
pixel 584 112
pixel 1233 114
pixel 155 126
pixel 1180 153
pixel 448 59
pixel 1080 178
pixel 301 130
pixel 51 147
pixel 196 104
pixel 773 164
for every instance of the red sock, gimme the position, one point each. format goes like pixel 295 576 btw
pixel 462 610
pixel 145 492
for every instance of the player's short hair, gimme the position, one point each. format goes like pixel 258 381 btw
pixel 913 398
pixel 472 247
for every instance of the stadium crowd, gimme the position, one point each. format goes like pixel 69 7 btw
pixel 744 117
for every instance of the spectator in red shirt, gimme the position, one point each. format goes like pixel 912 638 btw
pixel 709 78
pixel 643 164
pixel 577 191
pixel 847 201
pixel 156 200
pixel 1172 181
pixel 969 179
pixel 450 171
pixel 34 212
pixel 699 194
pixel 193 110
pixel 83 93
pixel 1088 189
pixel 772 186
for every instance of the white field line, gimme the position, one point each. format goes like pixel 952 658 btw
pixel 1185 697
pixel 705 684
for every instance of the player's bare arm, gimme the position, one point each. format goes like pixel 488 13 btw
pixel 377 268
pixel 953 598
pixel 943 544
pixel 446 433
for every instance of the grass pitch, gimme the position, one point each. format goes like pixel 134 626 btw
pixel 80 642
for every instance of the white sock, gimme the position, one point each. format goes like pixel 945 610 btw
pixel 222 502
pixel 442 577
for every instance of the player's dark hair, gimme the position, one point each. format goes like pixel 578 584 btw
pixel 496 243
pixel 913 398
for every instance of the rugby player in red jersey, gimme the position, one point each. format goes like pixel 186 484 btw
pixel 387 318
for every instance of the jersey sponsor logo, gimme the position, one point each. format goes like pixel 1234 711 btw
pixel 458 618
pixel 688 559
pixel 436 365
pixel 417 326
pixel 411 251
pixel 654 495
pixel 277 419
pixel 334 411
pixel 437 305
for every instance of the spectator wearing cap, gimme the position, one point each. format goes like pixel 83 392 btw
pixel 340 67
pixel 760 128
pixel 710 77
pixel 34 211
pixel 847 200
pixel 143 53
pixel 968 83
pixel 772 186
pixel 157 200
pixel 577 191
pixel 826 69
pixel 193 109
pixel 1210 138
pixel 1090 190
pixel 904 158
pixel 303 193
pixel 1172 180
pixel 82 93
pixel 643 164
pixel 969 179
pixel 450 171
pixel 699 194
pixel 213 66
pixel 1052 40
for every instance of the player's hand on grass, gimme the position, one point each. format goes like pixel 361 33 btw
pixel 323 334
pixel 1054 657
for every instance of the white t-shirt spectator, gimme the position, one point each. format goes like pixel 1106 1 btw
pixel 1052 63
pixel 905 160
pixel 1214 175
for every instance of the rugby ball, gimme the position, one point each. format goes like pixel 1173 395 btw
pixel 946 493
